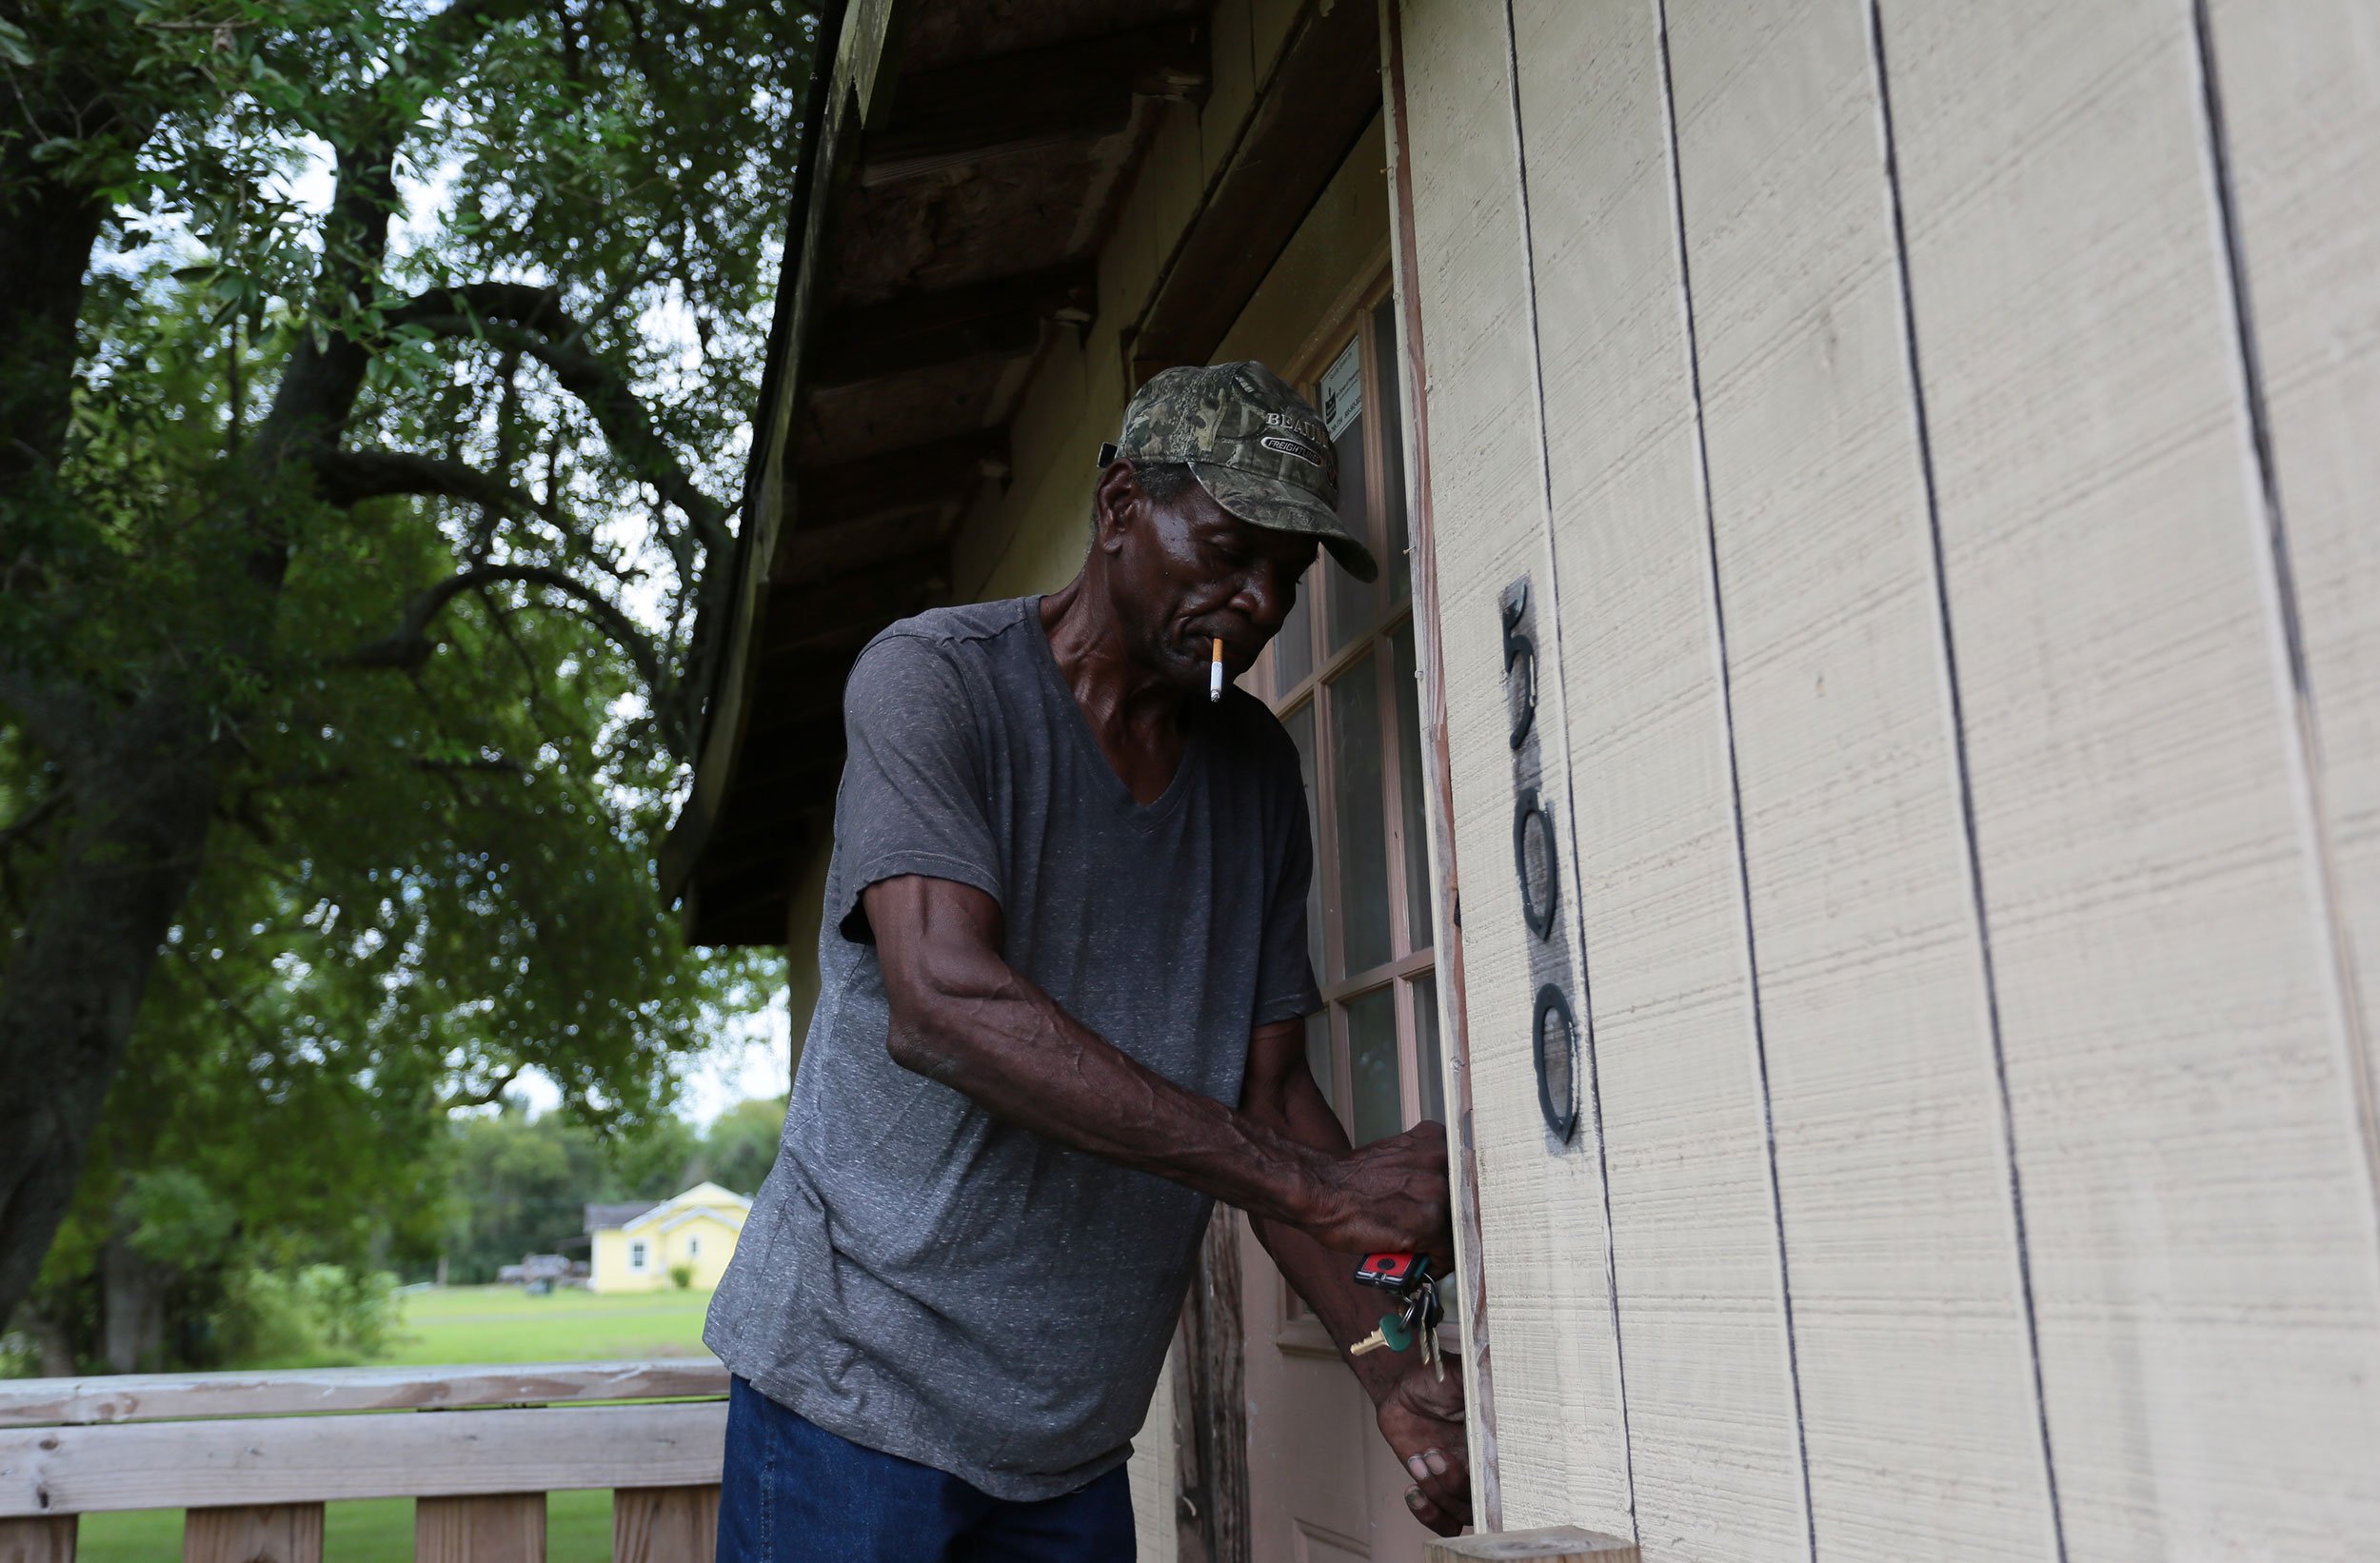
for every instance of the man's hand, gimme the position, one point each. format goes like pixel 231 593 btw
pixel 1390 1197
pixel 1421 1418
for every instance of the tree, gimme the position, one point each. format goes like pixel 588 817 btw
pixel 350 545
pixel 521 1183
pixel 741 1144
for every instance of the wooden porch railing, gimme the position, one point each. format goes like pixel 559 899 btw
pixel 253 1457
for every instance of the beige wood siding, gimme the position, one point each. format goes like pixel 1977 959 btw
pixel 2301 105
pixel 1944 437
pixel 2197 1200
pixel 1711 1413
pixel 1559 1444
pixel 1891 1179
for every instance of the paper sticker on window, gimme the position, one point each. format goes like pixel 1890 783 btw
pixel 1341 391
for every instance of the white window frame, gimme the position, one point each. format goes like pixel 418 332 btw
pixel 637 1254
pixel 1410 970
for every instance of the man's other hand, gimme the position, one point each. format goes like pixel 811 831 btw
pixel 1389 1196
pixel 1421 1418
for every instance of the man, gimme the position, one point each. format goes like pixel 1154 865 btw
pixel 1062 976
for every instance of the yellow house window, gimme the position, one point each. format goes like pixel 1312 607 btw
pixel 636 1255
pixel 694 1248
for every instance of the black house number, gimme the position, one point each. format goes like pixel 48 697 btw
pixel 1536 862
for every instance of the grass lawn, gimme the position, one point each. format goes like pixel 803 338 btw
pixel 464 1324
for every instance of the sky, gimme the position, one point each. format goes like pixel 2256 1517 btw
pixel 752 1058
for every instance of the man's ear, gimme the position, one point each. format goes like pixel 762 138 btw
pixel 1116 502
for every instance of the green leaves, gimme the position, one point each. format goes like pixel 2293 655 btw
pixel 423 877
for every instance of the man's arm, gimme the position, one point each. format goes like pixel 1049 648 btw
pixel 961 1014
pixel 1420 1414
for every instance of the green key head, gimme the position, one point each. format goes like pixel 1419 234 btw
pixel 1396 1332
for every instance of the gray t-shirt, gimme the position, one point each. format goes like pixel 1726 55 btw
pixel 917 1276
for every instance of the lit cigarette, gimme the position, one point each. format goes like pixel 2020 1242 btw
pixel 1215 672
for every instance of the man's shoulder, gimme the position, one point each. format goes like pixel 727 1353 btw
pixel 941 659
pixel 960 625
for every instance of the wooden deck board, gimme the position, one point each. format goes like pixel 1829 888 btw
pixel 148 1397
pixel 299 1459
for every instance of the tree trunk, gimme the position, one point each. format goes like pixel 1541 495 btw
pixel 46 230
pixel 72 988
pixel 53 1347
pixel 132 1309
pixel 46 236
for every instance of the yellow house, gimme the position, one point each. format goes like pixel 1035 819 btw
pixel 636 1246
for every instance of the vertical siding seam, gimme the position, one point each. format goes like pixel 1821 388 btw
pixel 1962 771
pixel 1570 788
pixel 1735 784
pixel 1454 990
pixel 2276 576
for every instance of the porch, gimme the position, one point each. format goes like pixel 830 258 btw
pixel 253 1457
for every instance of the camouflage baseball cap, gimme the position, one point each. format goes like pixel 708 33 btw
pixel 1252 444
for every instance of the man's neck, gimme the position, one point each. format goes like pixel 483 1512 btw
pixel 1118 694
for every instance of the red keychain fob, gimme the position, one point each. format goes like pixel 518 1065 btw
pixel 1394 1272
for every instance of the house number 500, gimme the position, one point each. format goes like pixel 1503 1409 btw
pixel 1536 862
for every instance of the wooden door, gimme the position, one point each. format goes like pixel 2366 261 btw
pixel 1323 1485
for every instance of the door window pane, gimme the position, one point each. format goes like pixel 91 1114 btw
pixel 1391 423
pixel 1352 604
pixel 1425 1053
pixel 1355 719
pixel 1318 1058
pixel 1378 1109
pixel 1293 648
pixel 1301 725
pixel 1409 782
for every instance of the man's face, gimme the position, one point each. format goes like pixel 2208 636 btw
pixel 1186 572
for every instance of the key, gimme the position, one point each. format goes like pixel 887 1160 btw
pixel 1393 1335
pixel 1425 1316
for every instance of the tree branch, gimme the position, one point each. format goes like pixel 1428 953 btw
pixel 519 316
pixel 410 645
pixel 340 775
pixel 488 1096
pixel 319 386
pixel 350 477
pixel 58 716
pixel 32 820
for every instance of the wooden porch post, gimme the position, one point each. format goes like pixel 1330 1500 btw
pixel 48 1539
pixel 664 1524
pixel 506 1528
pixel 268 1532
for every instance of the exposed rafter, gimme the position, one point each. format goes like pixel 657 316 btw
pixel 1001 316
pixel 845 609
pixel 859 545
pixel 1073 92
pixel 896 482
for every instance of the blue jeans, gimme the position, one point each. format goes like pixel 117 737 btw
pixel 794 1493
